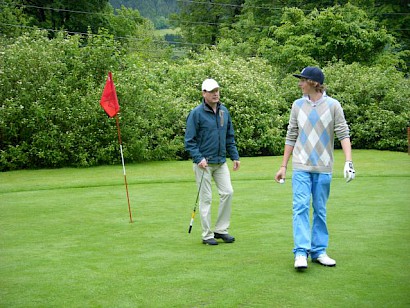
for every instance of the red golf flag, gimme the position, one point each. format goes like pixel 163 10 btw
pixel 109 100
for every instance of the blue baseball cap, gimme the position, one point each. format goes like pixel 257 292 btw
pixel 313 73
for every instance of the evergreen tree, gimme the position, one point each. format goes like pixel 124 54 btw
pixel 12 19
pixel 74 16
pixel 200 22
pixel 158 11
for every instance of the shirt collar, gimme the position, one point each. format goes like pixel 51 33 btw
pixel 322 99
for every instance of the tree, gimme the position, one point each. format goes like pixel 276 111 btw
pixel 136 33
pixel 158 11
pixel 200 21
pixel 249 31
pixel 394 15
pixel 12 19
pixel 74 16
pixel 337 33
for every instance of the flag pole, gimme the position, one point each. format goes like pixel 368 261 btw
pixel 109 102
pixel 123 165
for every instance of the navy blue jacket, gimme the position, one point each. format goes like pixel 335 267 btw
pixel 210 135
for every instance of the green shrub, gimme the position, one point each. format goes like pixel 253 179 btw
pixel 157 97
pixel 50 114
pixel 49 90
pixel 376 104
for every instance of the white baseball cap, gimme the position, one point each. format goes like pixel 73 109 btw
pixel 209 85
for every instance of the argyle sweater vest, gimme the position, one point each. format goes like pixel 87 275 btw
pixel 311 131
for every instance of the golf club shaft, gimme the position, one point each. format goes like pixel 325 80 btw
pixel 196 202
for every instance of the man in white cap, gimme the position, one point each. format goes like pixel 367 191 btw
pixel 314 121
pixel 209 138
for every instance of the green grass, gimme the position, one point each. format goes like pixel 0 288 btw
pixel 163 32
pixel 66 240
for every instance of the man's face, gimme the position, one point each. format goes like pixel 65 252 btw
pixel 308 87
pixel 304 86
pixel 211 97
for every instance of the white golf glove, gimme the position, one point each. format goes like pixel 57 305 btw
pixel 348 171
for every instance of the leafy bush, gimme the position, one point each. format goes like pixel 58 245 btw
pixel 48 94
pixel 50 91
pixel 336 33
pixel 158 96
pixel 376 104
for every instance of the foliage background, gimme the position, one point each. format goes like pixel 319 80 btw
pixel 50 86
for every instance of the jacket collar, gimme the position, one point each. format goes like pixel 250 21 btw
pixel 208 108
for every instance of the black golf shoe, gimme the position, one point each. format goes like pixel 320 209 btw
pixel 225 237
pixel 210 241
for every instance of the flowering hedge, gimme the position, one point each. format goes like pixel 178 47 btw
pixel 50 114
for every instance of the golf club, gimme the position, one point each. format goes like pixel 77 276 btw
pixel 196 201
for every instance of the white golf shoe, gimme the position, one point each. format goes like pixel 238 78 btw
pixel 325 260
pixel 300 262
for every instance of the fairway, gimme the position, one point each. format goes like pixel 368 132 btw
pixel 66 240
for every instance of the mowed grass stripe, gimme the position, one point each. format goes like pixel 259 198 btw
pixel 74 246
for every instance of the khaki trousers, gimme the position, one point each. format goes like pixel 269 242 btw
pixel 222 178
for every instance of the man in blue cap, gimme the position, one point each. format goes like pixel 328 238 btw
pixel 314 121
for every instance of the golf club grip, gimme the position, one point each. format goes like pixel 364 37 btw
pixel 190 228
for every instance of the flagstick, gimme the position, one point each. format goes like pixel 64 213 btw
pixel 123 165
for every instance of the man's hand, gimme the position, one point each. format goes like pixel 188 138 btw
pixel 281 175
pixel 203 163
pixel 236 165
pixel 348 171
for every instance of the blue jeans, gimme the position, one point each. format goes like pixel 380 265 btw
pixel 307 186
